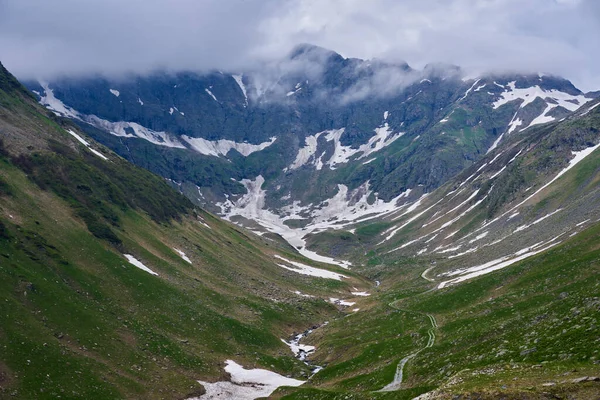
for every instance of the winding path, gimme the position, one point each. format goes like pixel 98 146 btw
pixel 397 382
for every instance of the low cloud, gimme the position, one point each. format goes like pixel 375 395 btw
pixel 40 38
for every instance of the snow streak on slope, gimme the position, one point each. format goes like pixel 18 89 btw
pixel 222 147
pixel 343 209
pixel 246 384
pixel 132 130
pixel 211 94
pixel 182 255
pixel 240 82
pixel 86 144
pixel 132 260
pixel 55 105
pixel 121 128
pixel 495 265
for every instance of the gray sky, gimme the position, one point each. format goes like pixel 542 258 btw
pixel 42 38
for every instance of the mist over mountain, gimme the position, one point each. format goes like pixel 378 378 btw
pixel 115 38
pixel 299 199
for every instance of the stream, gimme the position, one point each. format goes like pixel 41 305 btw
pixel 302 351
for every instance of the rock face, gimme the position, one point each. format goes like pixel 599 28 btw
pixel 309 125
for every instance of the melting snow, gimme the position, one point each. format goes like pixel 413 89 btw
pixel 246 384
pixel 479 237
pixel 240 82
pixel 469 90
pixel 530 94
pixel 55 105
pixel 301 351
pixel 342 154
pixel 211 95
pixel 86 144
pixel 223 146
pixel 182 255
pixel 123 128
pixel 495 265
pixel 343 209
pixel 115 92
pixel 132 260
pixel 308 270
pixel 362 294
pixel 305 153
pixel 344 303
pixel 590 109
pixel 140 101
pixel 537 221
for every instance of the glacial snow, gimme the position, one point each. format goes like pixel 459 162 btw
pixel 123 129
pixel 54 104
pixel 343 209
pixel 223 146
pixel 305 153
pixel 383 137
pixel 530 94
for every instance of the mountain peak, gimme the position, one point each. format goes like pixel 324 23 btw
pixel 313 53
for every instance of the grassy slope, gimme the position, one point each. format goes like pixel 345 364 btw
pixel 503 334
pixel 509 332
pixel 78 321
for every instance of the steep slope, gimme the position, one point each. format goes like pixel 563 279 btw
pixel 113 285
pixel 528 331
pixel 312 130
pixel 489 284
pixel 531 193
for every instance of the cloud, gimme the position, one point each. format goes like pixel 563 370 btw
pixel 39 37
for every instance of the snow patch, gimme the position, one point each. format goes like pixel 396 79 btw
pixel 182 255
pixel 116 93
pixel 530 94
pixel 343 209
pixel 86 144
pixel 132 260
pixel 246 384
pixel 211 94
pixel 239 80
pixel 308 270
pixel 223 146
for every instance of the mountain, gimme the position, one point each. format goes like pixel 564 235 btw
pixel 282 144
pixel 114 285
pixel 484 285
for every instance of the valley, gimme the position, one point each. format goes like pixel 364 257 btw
pixel 190 236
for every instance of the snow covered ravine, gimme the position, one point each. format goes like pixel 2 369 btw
pixel 245 384
pixel 337 212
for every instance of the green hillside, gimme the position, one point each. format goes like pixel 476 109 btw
pixel 77 320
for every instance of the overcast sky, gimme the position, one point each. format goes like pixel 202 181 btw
pixel 41 38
